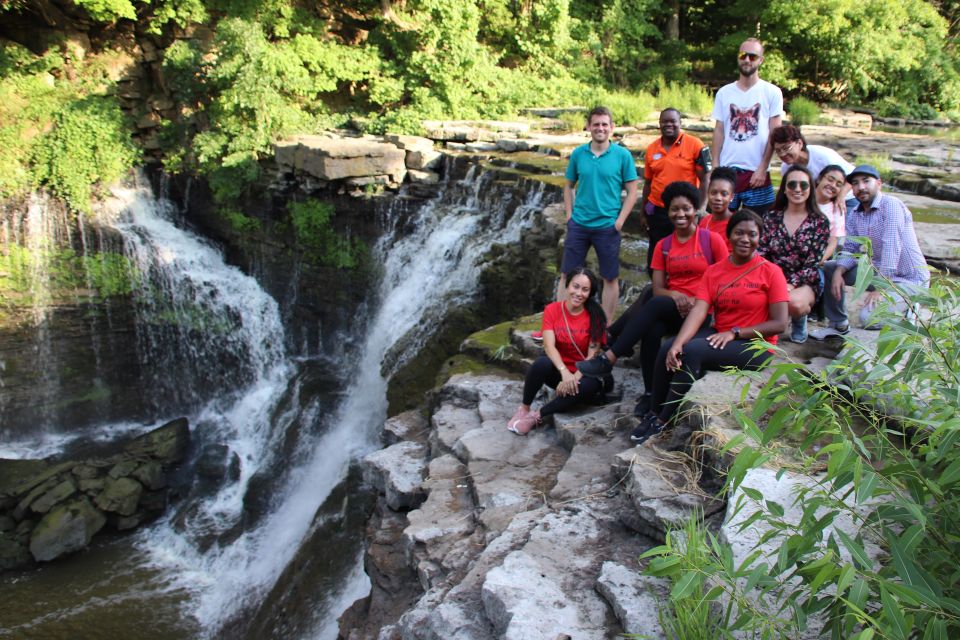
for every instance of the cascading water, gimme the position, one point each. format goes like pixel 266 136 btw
pixel 214 341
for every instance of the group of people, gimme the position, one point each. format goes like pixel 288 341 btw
pixel 756 264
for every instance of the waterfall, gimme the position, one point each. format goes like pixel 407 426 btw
pixel 213 341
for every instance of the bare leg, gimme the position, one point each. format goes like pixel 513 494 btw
pixel 801 301
pixel 611 294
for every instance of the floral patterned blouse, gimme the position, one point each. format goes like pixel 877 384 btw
pixel 798 255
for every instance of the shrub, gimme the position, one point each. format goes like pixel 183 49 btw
pixel 319 241
pixel 881 428
pixel 803 111
pixel 879 161
pixel 689 98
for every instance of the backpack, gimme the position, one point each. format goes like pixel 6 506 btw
pixel 703 241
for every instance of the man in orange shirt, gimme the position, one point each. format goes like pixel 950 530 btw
pixel 675 156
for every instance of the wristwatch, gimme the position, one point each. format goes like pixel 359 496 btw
pixel 736 333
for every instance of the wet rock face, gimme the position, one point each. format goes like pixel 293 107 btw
pixel 51 510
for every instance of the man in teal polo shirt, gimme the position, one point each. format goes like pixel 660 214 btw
pixel 597 174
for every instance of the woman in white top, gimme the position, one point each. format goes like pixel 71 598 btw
pixel 830 187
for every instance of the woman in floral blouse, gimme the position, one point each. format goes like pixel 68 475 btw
pixel 794 236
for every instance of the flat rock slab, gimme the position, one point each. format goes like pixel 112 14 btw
pixel 329 158
pixel 544 590
pixel 398 472
pixel 445 518
pixel 659 487
pixel 635 598
pixel 410 425
pixel 593 441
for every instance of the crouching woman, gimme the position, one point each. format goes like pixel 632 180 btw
pixel 573 330
pixel 749 298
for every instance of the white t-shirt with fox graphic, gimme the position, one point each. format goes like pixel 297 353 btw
pixel 746 122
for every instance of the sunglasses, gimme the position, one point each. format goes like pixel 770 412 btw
pixel 743 55
pixel 786 146
pixel 798 185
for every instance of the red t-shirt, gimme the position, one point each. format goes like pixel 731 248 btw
pixel 579 327
pixel 747 301
pixel 685 263
pixel 719 227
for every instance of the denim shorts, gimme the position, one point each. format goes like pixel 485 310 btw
pixel 604 240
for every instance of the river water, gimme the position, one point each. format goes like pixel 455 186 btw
pixel 302 424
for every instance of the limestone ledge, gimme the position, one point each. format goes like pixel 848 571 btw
pixel 48 510
pixel 539 536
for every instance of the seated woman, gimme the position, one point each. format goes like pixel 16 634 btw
pixel 573 330
pixel 723 180
pixel 829 194
pixel 678 263
pixel 748 295
pixel 794 237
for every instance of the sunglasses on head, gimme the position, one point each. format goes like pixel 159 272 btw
pixel 744 55
pixel 801 185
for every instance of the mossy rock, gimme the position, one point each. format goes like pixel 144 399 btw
pixel 120 496
pixel 67 528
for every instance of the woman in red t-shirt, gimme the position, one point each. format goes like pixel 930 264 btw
pixel 749 297
pixel 573 330
pixel 676 275
pixel 723 181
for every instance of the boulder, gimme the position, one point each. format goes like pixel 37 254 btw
pixel 13 554
pixel 218 463
pixel 122 469
pixel 410 425
pixel 120 496
pixel 423 177
pixel 424 160
pixel 663 493
pixel 59 493
pixel 635 598
pixel 398 472
pixel 166 444
pixel 66 528
pixel 150 475
pixel 328 158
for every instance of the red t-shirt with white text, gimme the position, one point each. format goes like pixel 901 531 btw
pixel 579 327
pixel 747 301
pixel 685 263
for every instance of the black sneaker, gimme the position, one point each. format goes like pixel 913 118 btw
pixel 596 367
pixel 643 406
pixel 649 426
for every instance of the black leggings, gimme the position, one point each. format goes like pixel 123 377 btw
pixel 648 325
pixel 542 372
pixel 698 357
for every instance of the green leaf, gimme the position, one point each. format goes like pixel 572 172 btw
pixel 686 585
pixel 856 550
pixel 936 630
pixel 774 508
pixel 847 574
pixel 865 487
pixel 891 612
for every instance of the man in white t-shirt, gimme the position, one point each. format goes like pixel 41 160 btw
pixel 745 112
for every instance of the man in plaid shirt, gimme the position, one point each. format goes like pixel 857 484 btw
pixel 896 253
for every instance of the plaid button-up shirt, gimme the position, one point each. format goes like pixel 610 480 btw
pixel 889 225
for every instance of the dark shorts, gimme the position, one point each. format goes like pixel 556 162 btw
pixel 605 241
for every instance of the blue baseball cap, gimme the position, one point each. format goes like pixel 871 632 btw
pixel 864 170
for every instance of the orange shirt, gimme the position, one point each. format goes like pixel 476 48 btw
pixel 685 263
pixel 747 301
pixel 661 167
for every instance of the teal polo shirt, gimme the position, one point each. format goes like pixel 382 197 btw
pixel 600 181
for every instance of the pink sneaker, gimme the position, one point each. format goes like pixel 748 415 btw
pixel 523 426
pixel 517 415
pixel 537 336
